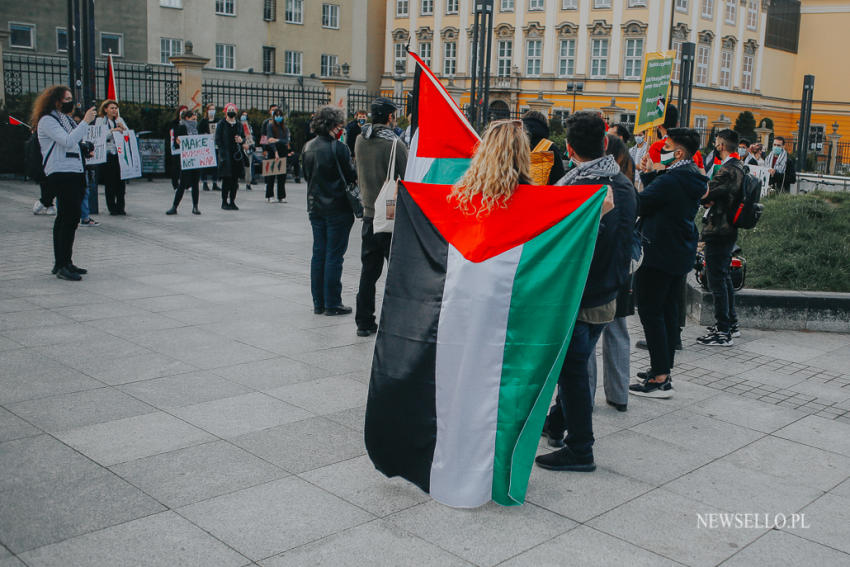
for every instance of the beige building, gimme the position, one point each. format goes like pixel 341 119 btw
pixel 746 54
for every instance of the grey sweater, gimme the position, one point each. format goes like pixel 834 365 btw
pixel 373 148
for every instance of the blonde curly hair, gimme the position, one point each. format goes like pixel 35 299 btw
pixel 502 161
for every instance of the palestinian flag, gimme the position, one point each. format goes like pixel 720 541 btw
pixel 15 122
pixel 111 88
pixel 477 316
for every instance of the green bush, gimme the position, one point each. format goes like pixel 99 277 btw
pixel 801 243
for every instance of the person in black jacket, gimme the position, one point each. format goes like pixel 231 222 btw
pixel 353 129
pixel 278 146
pixel 327 170
pixel 207 125
pixel 667 207
pixel 537 128
pixel 228 144
pixel 173 150
pixel 609 269
pixel 190 178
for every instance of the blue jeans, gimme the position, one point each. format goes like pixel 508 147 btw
pixel 330 241
pixel 91 186
pixel 718 257
pixel 573 407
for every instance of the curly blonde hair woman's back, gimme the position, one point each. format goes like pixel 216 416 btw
pixel 501 162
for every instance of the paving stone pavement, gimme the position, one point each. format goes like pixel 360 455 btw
pixel 183 406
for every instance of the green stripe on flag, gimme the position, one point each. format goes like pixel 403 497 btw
pixel 547 291
pixel 446 171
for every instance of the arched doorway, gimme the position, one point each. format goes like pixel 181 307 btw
pixel 499 110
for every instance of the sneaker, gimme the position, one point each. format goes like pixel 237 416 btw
pixel 89 222
pixel 225 207
pixel 233 207
pixel 247 187
pixel 171 211
pixel 38 208
pixel 206 187
pixel 618 407
pixel 734 331
pixel 51 210
pixel 645 375
pixel 65 274
pixel 341 310
pixel 716 339
pixel 565 460
pixel 282 200
pixel 642 344
pixel 650 389
pixel 195 211
pixel 366 331
pixel 551 439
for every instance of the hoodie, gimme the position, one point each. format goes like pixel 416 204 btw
pixel 373 148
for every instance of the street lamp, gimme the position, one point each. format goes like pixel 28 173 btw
pixel 576 88
pixel 346 68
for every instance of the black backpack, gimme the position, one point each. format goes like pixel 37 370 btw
pixel 34 162
pixel 747 212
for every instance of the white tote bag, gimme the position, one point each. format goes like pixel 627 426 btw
pixel 385 203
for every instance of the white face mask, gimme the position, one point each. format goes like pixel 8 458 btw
pixel 211 113
pixel 638 140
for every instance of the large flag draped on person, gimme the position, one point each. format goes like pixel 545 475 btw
pixel 477 316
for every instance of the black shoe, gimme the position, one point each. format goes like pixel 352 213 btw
pixel 76 269
pixel 551 439
pixel 55 269
pixel 195 211
pixel 734 331
pixel 233 207
pixel 565 460
pixel 65 274
pixel 718 338
pixel 618 407
pixel 650 389
pixel 318 310
pixel 341 310
pixel 215 187
pixel 225 207
pixel 678 346
pixel 248 187
pixel 646 374
pixel 171 211
pixel 298 180
pixel 366 331
pixel 642 344
pixel 206 187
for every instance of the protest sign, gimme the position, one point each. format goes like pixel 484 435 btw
pixel 763 175
pixel 153 155
pixel 129 158
pixel 97 134
pixel 276 166
pixel 655 84
pixel 197 152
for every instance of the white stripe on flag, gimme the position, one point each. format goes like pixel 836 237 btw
pixel 470 348
pixel 417 167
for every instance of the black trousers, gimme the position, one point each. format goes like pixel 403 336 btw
pixel 658 296
pixel 281 186
pixel 374 249
pixel 718 257
pixel 69 189
pixel 114 186
pixel 174 164
pixel 188 179
pixel 229 187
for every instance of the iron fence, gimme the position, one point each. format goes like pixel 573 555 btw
pixel 362 99
pixel 259 96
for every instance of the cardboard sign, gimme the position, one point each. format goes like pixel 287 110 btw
pixel 153 155
pixel 97 134
pixel 197 152
pixel 763 174
pixel 129 157
pixel 276 166
pixel 654 87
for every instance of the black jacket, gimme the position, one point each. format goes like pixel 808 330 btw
pixel 352 130
pixel 667 207
pixel 609 269
pixel 324 159
pixel 228 152
pixel 724 190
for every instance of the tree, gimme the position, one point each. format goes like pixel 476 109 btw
pixel 745 126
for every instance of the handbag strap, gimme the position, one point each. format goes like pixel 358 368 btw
pixel 391 168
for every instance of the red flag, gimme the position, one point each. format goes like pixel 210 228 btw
pixel 111 89
pixel 15 122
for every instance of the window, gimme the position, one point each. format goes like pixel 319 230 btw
pixel 634 59
pixel 507 6
pixel 169 47
pixel 599 58
pixel 504 57
pixel 225 7
pixel 22 35
pixel 330 66
pixel 112 43
pixel 225 55
pixel 533 56
pixel 752 14
pixel 171 3
pixel 401 8
pixel 601 3
pixel 451 6
pixel 292 62
pixel 637 3
pixel 330 16
pixel 747 74
pixel 725 69
pixel 569 5
pixel 708 9
pixel 783 25
pixel 731 11
pixel 701 126
pixel 400 57
pixel 427 7
pixel 561 115
pixel 294 13
pixel 682 5
pixel 425 52
pixel 677 60
pixel 703 55
pixel 269 10
pixel 268 59
pixel 628 118
pixel 449 58
pixel 536 5
pixel 61 39
pixel 567 58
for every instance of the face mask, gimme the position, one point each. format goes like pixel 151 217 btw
pixel 638 140
pixel 278 119
pixel 777 150
pixel 211 113
pixel 361 121
pixel 67 107
pixel 231 114
pixel 244 118
pixel 668 158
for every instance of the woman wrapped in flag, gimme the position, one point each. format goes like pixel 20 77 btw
pixel 485 277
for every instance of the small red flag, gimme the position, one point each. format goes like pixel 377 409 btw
pixel 111 89
pixel 15 122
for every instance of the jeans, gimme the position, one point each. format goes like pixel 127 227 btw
pixel 573 405
pixel 330 241
pixel 615 362
pixel 374 249
pixel 69 189
pixel 91 188
pixel 658 308
pixel 718 257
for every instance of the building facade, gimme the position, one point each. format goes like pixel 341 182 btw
pixel 744 60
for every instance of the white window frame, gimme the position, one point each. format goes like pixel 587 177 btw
pixel 170 52
pixel 504 57
pixel 637 3
pixel 726 62
pixel 682 6
pixel 533 57
pixel 293 12
pixel 425 52
pixel 702 64
pixel 752 14
pixel 120 37
pixel 426 7
pixel 677 60
pixel 292 62
pixel 506 6
pixel 569 4
pixel 707 9
pixel 602 4
pixel 730 12
pixel 701 126
pixel 221 7
pixel 536 5
pixel 328 63
pixel 402 8
pixel 636 59
pixel 399 55
pixel 330 16
pixel 567 57
pixel 178 4
pixel 224 56
pixel 449 58
pixel 32 35
pixel 747 66
pixel 65 31
pixel 597 56
pixel 452 6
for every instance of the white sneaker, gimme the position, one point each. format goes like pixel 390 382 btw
pixel 51 210
pixel 38 208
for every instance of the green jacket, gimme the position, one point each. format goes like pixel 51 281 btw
pixel 373 148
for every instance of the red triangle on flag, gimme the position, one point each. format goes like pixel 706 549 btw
pixel 534 209
pixel 111 89
pixel 15 122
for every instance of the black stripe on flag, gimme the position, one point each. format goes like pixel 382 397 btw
pixel 401 421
